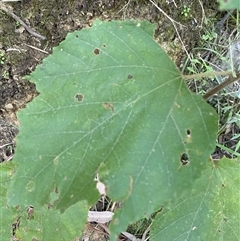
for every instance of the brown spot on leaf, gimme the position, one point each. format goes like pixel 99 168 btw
pixel 184 159
pixel 79 97
pixel 96 51
pixel 108 106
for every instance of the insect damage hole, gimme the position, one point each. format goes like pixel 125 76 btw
pixel 100 186
pixel 30 212
pixel 184 159
pixel 79 97
pixel 188 133
pixel 129 76
pixel 96 51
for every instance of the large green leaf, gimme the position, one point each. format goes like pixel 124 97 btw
pixel 229 4
pixel 211 211
pixel 50 224
pixel 111 101
pixel 42 223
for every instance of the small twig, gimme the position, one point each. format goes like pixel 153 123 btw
pixel 232 78
pixel 6 145
pixel 9 158
pixel 130 236
pixel 203 13
pixel 174 25
pixel 104 227
pixel 33 47
pixel 172 20
pixel 13 49
pixel 7 10
pixel 145 233
pixel 221 86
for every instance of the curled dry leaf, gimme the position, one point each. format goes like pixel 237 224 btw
pixel 100 217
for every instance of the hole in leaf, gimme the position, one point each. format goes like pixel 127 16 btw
pixel 76 36
pixel 184 159
pixel 104 46
pixel 130 76
pixel 96 51
pixel 223 185
pixel 100 186
pixel 188 133
pixel 30 212
pixel 79 97
pixel 15 226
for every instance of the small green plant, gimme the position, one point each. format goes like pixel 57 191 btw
pixel 2 58
pixel 209 35
pixel 17 24
pixel 5 74
pixel 186 11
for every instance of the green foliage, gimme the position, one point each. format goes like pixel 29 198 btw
pixel 41 223
pixel 186 11
pixel 229 4
pixel 111 102
pixel 2 58
pixel 209 211
pixel 50 224
pixel 7 212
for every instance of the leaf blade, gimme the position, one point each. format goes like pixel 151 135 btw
pixel 111 102
pixel 208 212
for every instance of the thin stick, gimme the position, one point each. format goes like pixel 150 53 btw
pixel 172 20
pixel 7 10
pixel 221 86
pixel 6 145
pixel 203 13
pixel 174 25
pixel 9 158
pixel 145 233
pixel 33 47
